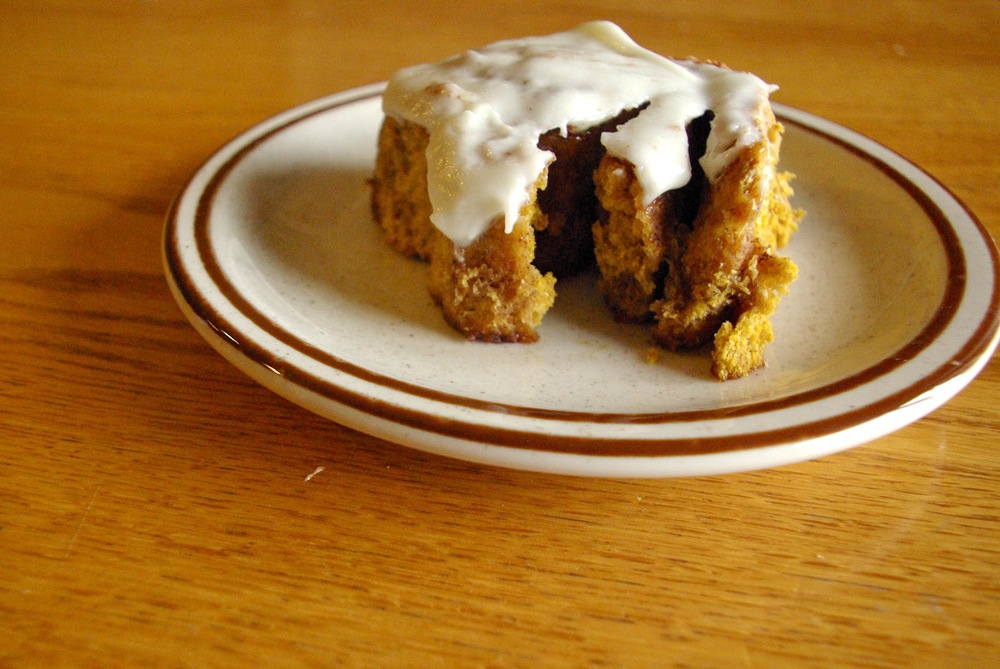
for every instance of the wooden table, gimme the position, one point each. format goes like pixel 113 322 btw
pixel 156 507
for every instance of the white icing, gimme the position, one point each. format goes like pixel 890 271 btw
pixel 485 110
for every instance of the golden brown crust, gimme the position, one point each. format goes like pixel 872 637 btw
pixel 738 345
pixel 637 245
pixel 696 277
pixel 491 291
pixel 633 247
pixel 498 288
pixel 699 262
pixel 400 203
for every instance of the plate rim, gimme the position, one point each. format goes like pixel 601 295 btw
pixel 317 394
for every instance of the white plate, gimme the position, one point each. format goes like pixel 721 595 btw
pixel 271 253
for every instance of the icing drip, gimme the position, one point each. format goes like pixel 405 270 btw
pixel 485 110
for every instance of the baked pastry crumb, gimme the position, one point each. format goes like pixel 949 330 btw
pixel 529 160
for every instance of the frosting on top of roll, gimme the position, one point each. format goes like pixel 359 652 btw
pixel 485 110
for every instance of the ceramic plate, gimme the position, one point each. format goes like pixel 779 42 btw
pixel 271 253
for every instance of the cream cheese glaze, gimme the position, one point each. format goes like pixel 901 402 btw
pixel 485 110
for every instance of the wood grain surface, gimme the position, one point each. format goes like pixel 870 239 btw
pixel 159 509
